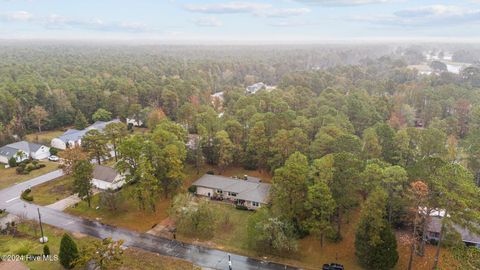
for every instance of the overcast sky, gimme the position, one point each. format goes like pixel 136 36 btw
pixel 218 20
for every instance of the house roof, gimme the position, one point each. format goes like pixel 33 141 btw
pixel 75 135
pixel 10 150
pixel 104 173
pixel 435 225
pixel 249 190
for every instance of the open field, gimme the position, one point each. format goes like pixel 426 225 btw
pixel 10 177
pixel 53 191
pixel 27 240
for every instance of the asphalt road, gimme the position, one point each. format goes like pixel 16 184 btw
pixel 202 256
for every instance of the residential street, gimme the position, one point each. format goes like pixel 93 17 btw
pixel 205 257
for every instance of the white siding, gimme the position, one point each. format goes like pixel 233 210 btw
pixel 204 191
pixel 3 159
pixel 59 144
pixel 42 153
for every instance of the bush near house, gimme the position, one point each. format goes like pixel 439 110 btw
pixel 53 151
pixel 12 162
pixel 25 167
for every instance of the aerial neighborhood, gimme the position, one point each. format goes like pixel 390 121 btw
pixel 147 156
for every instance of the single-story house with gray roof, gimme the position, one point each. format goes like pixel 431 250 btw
pixel 249 192
pixel 107 178
pixel 73 137
pixel 435 225
pixel 23 150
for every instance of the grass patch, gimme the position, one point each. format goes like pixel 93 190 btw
pixel 44 137
pixel 231 230
pixel 53 191
pixel 127 215
pixel 9 177
pixel 27 240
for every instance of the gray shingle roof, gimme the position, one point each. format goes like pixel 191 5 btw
pixel 249 190
pixel 104 173
pixel 7 151
pixel 10 150
pixel 435 225
pixel 75 135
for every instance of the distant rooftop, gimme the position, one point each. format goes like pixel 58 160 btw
pixel 75 135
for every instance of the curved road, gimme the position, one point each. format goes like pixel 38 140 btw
pixel 202 256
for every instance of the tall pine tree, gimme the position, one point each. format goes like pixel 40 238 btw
pixel 68 253
pixel 375 243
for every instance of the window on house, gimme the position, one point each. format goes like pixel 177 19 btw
pixel 219 191
pixel 255 204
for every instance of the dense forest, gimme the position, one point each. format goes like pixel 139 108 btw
pixel 342 121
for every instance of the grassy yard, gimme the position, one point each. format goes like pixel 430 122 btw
pixel 44 137
pixel 53 191
pixel 127 215
pixel 27 239
pixel 9 177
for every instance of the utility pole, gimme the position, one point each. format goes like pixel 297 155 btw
pixel 43 239
pixel 229 262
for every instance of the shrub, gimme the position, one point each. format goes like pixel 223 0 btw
pixel 53 151
pixel 46 250
pixel 12 162
pixel 30 167
pixel 26 195
pixel 35 163
pixel 41 166
pixel 21 170
pixel 68 252
pixel 192 189
pixel 210 172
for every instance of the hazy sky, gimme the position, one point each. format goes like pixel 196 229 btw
pixel 267 20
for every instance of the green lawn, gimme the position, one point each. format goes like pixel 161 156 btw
pixel 27 239
pixel 53 191
pixel 9 177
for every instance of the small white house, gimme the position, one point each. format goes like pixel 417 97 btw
pixel 107 178
pixel 134 122
pixel 23 150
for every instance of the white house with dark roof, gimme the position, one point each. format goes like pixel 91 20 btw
pixel 107 178
pixel 250 192
pixel 73 137
pixel 23 150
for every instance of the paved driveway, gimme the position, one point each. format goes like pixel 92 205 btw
pixel 202 256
